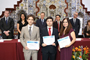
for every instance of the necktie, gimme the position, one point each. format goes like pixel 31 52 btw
pixel 58 27
pixel 49 32
pixel 42 22
pixel 6 21
pixel 30 32
pixel 74 21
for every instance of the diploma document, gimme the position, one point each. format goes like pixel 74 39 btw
pixel 33 45
pixel 49 40
pixel 64 41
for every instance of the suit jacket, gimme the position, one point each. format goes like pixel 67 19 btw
pixel 55 24
pixel 40 25
pixel 24 37
pixel 49 48
pixel 6 27
pixel 76 26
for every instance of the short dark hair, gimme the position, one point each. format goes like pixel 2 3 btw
pixel 49 18
pixel 58 15
pixel 31 16
pixel 43 13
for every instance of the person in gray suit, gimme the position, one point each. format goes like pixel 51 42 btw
pixel 29 33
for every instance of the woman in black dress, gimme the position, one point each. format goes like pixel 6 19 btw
pixel 87 30
pixel 22 22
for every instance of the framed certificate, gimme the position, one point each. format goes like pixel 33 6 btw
pixel 33 45
pixel 64 41
pixel 49 40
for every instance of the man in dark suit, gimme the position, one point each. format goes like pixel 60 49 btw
pixel 7 26
pixel 57 23
pixel 41 23
pixel 49 50
pixel 75 23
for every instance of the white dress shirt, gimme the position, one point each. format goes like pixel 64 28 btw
pixel 7 18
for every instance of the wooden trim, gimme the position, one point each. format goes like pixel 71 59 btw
pixel 37 7
pixel 66 8
pixel 84 7
pixel 11 9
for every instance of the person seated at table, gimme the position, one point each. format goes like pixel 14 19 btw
pixel 21 23
pixel 87 30
pixel 67 30
pixel 29 33
pixel 49 50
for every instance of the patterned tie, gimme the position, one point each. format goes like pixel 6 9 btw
pixel 30 32
pixel 49 32
pixel 6 21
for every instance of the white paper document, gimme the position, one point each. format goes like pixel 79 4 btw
pixel 78 39
pixel 33 45
pixel 18 40
pixel 1 40
pixel 64 41
pixel 49 40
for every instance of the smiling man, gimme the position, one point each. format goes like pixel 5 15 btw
pixel 29 33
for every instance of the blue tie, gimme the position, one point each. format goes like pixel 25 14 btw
pixel 42 21
pixel 6 21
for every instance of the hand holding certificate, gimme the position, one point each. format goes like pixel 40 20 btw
pixel 64 41
pixel 33 45
pixel 49 40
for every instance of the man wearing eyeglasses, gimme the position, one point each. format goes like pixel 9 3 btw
pixel 75 23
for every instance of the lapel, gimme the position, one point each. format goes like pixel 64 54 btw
pixel 5 21
pixel 27 31
pixel 73 22
pixel 53 31
pixel 76 22
pixel 43 22
pixel 47 32
pixel 8 19
pixel 32 33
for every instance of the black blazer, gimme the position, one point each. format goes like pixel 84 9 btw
pixel 40 25
pixel 49 48
pixel 9 26
pixel 55 24
pixel 76 26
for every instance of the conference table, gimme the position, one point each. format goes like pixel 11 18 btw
pixel 13 50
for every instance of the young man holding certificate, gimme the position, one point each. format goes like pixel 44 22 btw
pixel 30 38
pixel 49 36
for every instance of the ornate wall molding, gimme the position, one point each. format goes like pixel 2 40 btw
pixel 11 9
pixel 66 8
pixel 84 7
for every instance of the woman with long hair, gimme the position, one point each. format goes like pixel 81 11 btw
pixel 66 30
pixel 22 22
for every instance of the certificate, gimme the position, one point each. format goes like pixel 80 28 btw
pixel 33 45
pixel 49 40
pixel 64 41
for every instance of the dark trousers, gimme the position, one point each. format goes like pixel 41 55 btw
pixel 48 56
